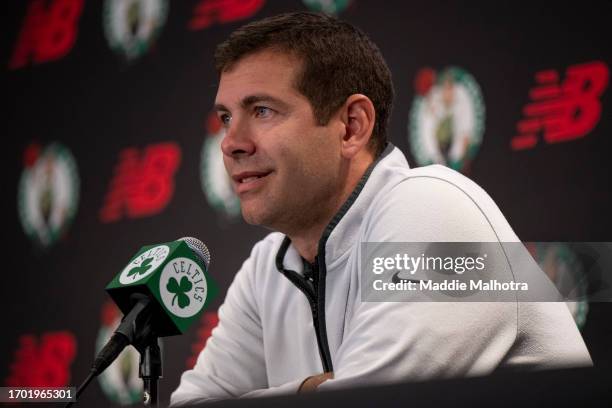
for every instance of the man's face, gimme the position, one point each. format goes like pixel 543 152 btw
pixel 285 168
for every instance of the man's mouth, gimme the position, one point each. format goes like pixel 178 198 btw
pixel 249 179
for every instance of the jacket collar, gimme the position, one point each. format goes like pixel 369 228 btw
pixel 339 234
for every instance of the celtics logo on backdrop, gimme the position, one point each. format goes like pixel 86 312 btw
pixel 182 287
pixel 48 192
pixel 119 382
pixel 216 183
pixel 132 26
pixel 447 118
pixel 327 6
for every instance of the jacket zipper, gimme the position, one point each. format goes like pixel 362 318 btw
pixel 314 308
pixel 309 286
pixel 314 289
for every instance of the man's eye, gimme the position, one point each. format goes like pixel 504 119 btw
pixel 262 111
pixel 225 119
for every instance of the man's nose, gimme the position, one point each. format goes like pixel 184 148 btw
pixel 237 141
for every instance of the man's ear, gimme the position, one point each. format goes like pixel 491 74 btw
pixel 358 115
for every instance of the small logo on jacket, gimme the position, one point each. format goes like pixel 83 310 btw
pixel 447 118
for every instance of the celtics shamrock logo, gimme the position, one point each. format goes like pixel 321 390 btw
pixel 144 264
pixel 142 269
pixel 182 287
pixel 179 290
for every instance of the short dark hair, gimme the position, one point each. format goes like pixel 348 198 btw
pixel 338 60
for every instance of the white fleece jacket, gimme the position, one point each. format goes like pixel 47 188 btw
pixel 265 343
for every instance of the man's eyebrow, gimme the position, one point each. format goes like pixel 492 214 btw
pixel 251 100
pixel 219 107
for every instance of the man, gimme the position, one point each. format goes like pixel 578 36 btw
pixel 305 100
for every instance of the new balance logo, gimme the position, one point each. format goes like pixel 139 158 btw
pixel 565 111
pixel 48 33
pixel 143 183
pixel 209 12
pixel 44 361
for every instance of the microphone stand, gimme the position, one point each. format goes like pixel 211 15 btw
pixel 145 339
pixel 150 370
pixel 137 329
pixel 141 333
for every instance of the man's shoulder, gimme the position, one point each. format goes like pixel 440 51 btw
pixel 433 201
pixel 273 239
pixel 443 187
pixel 394 179
pixel 267 247
pixel 441 179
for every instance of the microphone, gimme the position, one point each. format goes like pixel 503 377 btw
pixel 161 292
pixel 173 276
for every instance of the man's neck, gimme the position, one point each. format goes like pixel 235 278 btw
pixel 306 240
pixel 307 247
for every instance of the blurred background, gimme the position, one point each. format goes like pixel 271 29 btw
pixel 109 145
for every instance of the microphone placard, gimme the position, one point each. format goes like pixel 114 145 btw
pixel 182 287
pixel 174 277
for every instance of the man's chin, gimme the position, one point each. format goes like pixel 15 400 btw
pixel 254 217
